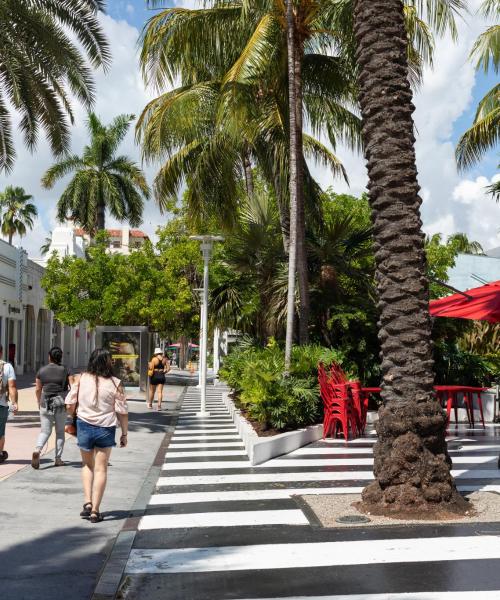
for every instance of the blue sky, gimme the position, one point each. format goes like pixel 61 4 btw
pixel 136 13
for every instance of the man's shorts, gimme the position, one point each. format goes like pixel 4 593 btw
pixel 4 415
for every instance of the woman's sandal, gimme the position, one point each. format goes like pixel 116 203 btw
pixel 150 406
pixel 96 517
pixel 87 509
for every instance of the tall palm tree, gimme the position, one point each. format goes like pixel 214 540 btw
pixel 47 50
pixel 18 213
pixel 101 181
pixel 411 462
pixel 484 133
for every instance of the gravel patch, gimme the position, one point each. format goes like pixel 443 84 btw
pixel 323 510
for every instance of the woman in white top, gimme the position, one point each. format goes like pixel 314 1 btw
pixel 99 401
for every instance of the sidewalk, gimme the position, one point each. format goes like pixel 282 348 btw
pixel 46 550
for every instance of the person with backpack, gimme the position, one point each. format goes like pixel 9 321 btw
pixel 158 367
pixel 98 400
pixel 8 390
pixel 52 384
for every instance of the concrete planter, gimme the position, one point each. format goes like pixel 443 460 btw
pixel 260 449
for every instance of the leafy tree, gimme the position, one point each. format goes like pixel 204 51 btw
pixel 485 130
pixel 18 213
pixel 412 467
pixel 101 181
pixel 46 51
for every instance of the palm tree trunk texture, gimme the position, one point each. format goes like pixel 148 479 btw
pixel 292 246
pixel 247 166
pixel 283 211
pixel 411 462
pixel 302 270
pixel 101 216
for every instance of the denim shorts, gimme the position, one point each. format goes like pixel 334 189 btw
pixel 4 415
pixel 92 436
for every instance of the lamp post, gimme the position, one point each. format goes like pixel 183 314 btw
pixel 207 244
pixel 200 347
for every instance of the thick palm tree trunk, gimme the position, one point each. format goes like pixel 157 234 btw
pixel 292 244
pixel 302 266
pixel 411 462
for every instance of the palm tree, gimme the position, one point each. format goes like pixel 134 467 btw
pixel 485 130
pixel 101 181
pixel 45 247
pixel 411 462
pixel 46 51
pixel 18 213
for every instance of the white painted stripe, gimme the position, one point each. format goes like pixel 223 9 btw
pixel 479 488
pixel 490 595
pixel 265 477
pixel 338 442
pixel 322 450
pixel 319 462
pixel 195 438
pixel 200 453
pixel 231 496
pixel 307 476
pixel 205 444
pixel 184 430
pixel 224 519
pixel 206 466
pixel 322 554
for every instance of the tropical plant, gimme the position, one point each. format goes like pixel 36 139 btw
pixel 412 467
pixel 46 51
pixel 101 181
pixel 485 130
pixel 271 399
pixel 45 247
pixel 17 212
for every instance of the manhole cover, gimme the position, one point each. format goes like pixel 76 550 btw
pixel 351 519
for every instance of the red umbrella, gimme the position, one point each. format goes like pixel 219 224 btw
pixel 481 304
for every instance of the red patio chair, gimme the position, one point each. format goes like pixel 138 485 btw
pixel 339 414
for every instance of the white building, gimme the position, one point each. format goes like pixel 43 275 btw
pixel 27 328
pixel 121 241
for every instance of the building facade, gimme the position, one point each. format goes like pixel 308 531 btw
pixel 27 328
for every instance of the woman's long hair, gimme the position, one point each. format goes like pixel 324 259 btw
pixel 100 365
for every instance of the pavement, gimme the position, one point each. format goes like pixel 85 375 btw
pixel 47 551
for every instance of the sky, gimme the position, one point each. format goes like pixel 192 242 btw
pixel 445 106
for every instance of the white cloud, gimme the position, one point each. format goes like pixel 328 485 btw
pixel 120 90
pixel 450 203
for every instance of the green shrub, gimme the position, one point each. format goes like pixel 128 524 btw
pixel 256 374
pixel 458 367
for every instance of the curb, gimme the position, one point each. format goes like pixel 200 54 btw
pixel 260 449
pixel 110 577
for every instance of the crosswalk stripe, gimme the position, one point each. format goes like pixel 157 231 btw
pixel 304 476
pixel 203 453
pixel 206 444
pixel 224 519
pixel 318 554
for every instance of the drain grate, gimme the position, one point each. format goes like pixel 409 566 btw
pixel 352 519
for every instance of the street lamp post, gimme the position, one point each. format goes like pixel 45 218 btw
pixel 207 243
pixel 200 347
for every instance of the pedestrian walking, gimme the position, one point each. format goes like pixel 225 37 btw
pixel 8 391
pixel 158 367
pixel 99 401
pixel 51 388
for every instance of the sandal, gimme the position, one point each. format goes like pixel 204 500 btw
pixel 3 456
pixel 96 516
pixel 150 406
pixel 87 510
pixel 158 407
pixel 35 460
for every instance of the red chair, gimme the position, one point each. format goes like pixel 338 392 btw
pixel 360 401
pixel 339 413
